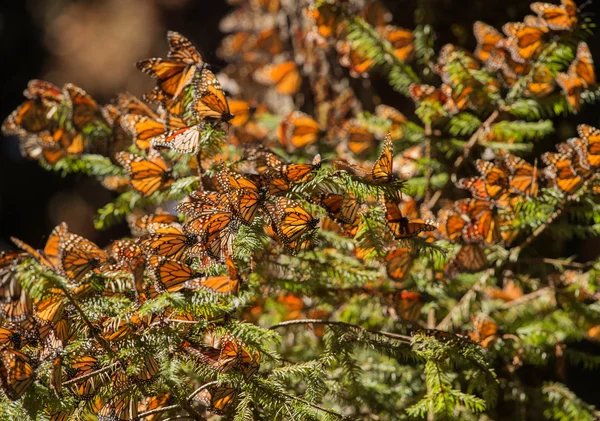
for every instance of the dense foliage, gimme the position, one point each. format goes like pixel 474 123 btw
pixel 300 251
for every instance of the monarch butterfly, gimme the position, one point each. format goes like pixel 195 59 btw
pixel 343 209
pixel 298 129
pixel 358 64
pixel 470 259
pixel 401 226
pixel 47 92
pixel 223 284
pixel 183 140
pixel 381 172
pixel 406 304
pixel 509 292
pixel 530 36
pixel 82 366
pixel 50 309
pixel 591 136
pixel 281 175
pixel 484 332
pixel 84 110
pixel 221 398
pixel 18 304
pixel 123 407
pixel 284 76
pixel 244 194
pixel 325 18
pixel 31 116
pixel 150 403
pixel 290 221
pixel 49 257
pixel 244 111
pixel 402 41
pixel 16 373
pixel 491 185
pixel 79 256
pixel 142 128
pixel 170 275
pixel 10 339
pixel 357 137
pixel 177 70
pixel 427 94
pixel 209 98
pixel 398 263
pixel 168 241
pixel 524 177
pixel 483 226
pixel 397 119
pixel 557 18
pixel 147 175
pixel 487 37
pixel 139 224
pixel 375 13
pixel 560 170
pixel 502 60
pixel 579 77
pixel 541 84
pixel 232 353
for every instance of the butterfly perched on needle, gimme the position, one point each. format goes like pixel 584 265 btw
pixel 147 175
pixel 530 37
pixel 382 171
pixel 402 227
pixel 208 99
pixel 176 71
pixel 579 77
pixel 49 256
pixel 487 37
pixel 298 130
pixel 558 18
pixel 291 222
pixel 399 263
pixel 79 256
pixel 285 77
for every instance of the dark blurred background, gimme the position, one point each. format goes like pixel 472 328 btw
pixel 95 44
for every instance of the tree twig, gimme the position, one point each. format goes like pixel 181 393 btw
pixel 461 158
pixel 320 408
pixel 526 298
pixel 402 338
pixel 200 389
pixel 92 374
pixel 159 410
pixel 445 323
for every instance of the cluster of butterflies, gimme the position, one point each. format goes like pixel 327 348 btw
pixel 513 54
pixel 35 333
pixel 500 187
pixel 54 123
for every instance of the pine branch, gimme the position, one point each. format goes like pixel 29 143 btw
pixel 401 338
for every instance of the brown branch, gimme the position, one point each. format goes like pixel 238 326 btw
pixel 200 389
pixel 526 298
pixel 313 405
pixel 402 338
pixel 158 411
pixel 93 373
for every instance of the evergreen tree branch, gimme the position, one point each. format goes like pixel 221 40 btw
pixel 402 338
